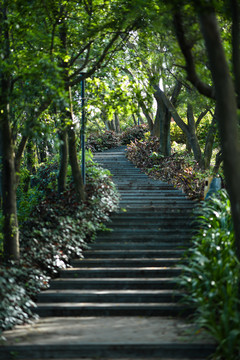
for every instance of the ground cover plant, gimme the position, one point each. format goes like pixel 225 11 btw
pixel 133 133
pixel 57 229
pixel 211 277
pixel 179 169
pixel 102 141
pixel 109 139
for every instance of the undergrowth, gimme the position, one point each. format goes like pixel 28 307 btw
pixel 57 229
pixel 179 169
pixel 211 276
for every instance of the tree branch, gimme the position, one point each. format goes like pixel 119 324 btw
pixel 186 49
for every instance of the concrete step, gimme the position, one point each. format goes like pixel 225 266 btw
pixel 101 272
pixel 140 254
pixel 120 262
pixel 116 244
pixel 111 309
pixel 108 351
pixel 114 283
pixel 115 296
pixel 142 231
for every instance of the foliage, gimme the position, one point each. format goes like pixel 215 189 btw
pixel 102 141
pixel 178 169
pixel 58 229
pixel 27 196
pixel 109 139
pixel 18 286
pixel 133 133
pixel 211 277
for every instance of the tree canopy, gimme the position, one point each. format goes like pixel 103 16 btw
pixel 153 60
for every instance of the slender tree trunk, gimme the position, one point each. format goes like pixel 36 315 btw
pixel 192 137
pixel 9 203
pixel 218 161
pixel 73 156
pixel 147 115
pixel 10 226
pixel 42 149
pixel 73 159
pixel 62 174
pixel 30 157
pixel 209 143
pixel 162 124
pixel 117 123
pixel 227 113
pixel 134 119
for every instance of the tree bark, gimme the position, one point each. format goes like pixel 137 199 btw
pixel 209 143
pixel 192 137
pixel 117 123
pixel 161 127
pixel 9 203
pixel 147 116
pixel 62 174
pixel 227 113
pixel 235 10
pixel 10 225
pixel 73 159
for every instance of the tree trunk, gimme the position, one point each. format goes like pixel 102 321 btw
pixel 117 123
pixel 62 174
pixel 73 159
pixel 10 225
pixel 147 115
pixel 73 156
pixel 161 127
pixel 227 113
pixel 189 131
pixel 42 150
pixel 235 10
pixel 30 163
pixel 192 137
pixel 134 119
pixel 9 203
pixel 209 143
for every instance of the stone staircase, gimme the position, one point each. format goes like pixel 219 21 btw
pixel 128 276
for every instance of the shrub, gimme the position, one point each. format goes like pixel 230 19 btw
pixel 211 277
pixel 58 229
pixel 18 286
pixel 132 134
pixel 102 141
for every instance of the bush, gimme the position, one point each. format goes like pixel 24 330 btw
pixel 132 134
pixel 18 286
pixel 211 277
pixel 102 141
pixel 58 229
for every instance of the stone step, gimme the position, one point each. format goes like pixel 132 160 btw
pixel 168 226
pixel 134 208
pixel 141 254
pixel 114 283
pixel 102 296
pixel 100 272
pixel 126 262
pixel 168 215
pixel 118 231
pixel 111 309
pixel 115 244
pixel 162 351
